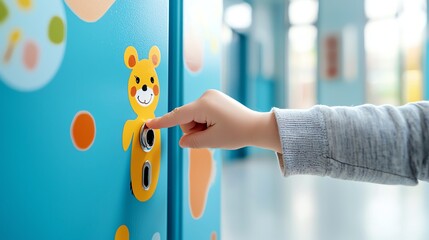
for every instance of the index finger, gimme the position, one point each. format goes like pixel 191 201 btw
pixel 178 116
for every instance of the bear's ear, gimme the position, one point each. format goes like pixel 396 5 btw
pixel 130 57
pixel 155 56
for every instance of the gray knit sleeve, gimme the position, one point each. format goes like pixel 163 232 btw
pixel 380 144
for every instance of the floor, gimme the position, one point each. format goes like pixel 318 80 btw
pixel 258 203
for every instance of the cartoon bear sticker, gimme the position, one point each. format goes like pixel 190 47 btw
pixel 143 95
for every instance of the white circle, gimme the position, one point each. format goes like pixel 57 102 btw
pixel 33 26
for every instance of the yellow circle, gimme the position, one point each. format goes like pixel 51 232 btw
pixel 15 36
pixel 25 4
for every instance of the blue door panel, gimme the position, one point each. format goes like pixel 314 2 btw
pixel 64 91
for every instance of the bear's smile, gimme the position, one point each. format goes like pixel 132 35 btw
pixel 145 98
pixel 144 102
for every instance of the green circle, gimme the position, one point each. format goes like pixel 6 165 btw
pixel 56 30
pixel 3 11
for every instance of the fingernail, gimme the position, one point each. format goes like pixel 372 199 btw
pixel 149 123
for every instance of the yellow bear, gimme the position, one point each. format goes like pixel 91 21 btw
pixel 143 94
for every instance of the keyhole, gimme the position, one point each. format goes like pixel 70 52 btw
pixel 147 170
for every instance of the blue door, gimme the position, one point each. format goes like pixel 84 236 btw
pixel 201 167
pixel 194 174
pixel 78 79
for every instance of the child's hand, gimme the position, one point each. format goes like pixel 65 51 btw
pixel 217 121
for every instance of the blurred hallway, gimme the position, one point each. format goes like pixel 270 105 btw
pixel 258 203
pixel 299 53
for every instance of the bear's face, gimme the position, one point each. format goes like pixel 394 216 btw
pixel 143 83
pixel 143 86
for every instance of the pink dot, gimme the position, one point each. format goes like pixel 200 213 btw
pixel 193 51
pixel 31 55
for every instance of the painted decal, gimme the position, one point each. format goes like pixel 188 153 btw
pixel 31 53
pixel 200 32
pixel 156 236
pixel 13 40
pixel 4 12
pixel 143 95
pixel 25 4
pixel 201 175
pixel 82 130
pixel 193 50
pixel 122 233
pixel 56 31
pixel 89 10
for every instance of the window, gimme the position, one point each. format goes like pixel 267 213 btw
pixel 394 37
pixel 302 37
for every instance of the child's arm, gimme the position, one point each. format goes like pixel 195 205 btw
pixel 127 134
pixel 217 121
pixel 382 144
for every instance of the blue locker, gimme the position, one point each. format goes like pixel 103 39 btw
pixel 201 167
pixel 77 81
pixel 194 174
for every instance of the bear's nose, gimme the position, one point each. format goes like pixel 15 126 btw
pixel 144 87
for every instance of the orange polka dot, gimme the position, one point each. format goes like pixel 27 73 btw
pixel 83 130
pixel 122 233
pixel 214 236
pixel 201 166
pixel 193 51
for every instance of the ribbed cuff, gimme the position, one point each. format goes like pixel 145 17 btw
pixel 304 142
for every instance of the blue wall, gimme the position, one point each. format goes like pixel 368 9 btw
pixel 334 17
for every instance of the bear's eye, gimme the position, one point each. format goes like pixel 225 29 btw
pixel 152 80
pixel 137 79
